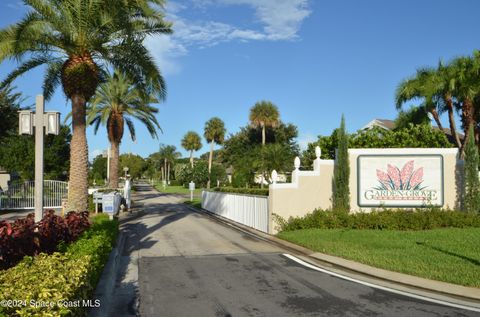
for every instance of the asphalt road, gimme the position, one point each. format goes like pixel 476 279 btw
pixel 189 265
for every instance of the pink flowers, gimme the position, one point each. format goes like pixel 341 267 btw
pixel 404 179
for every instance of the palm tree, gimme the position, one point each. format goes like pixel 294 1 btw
pixel 76 40
pixel 214 132
pixel 169 154
pixel 424 85
pixel 191 142
pixel 264 114
pixel 114 104
pixel 466 90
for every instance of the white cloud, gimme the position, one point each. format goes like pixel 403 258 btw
pixel 280 20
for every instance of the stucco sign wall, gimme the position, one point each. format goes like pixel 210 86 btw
pixel 400 180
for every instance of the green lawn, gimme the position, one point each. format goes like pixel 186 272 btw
pixel 450 255
pixel 177 190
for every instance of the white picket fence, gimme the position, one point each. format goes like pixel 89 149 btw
pixel 22 195
pixel 249 210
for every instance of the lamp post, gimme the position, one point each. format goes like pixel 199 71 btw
pixel 51 122
pixel 106 154
pixel 125 169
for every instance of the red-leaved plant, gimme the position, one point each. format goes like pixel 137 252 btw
pixel 24 237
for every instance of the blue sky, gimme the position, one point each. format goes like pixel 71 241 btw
pixel 314 59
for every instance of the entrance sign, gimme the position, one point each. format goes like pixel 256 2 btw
pixel 398 180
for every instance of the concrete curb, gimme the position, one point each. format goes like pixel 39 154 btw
pixel 106 284
pixel 469 295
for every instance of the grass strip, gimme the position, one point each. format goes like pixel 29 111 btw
pixel 450 255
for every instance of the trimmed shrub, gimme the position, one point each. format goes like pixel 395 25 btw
pixel 248 191
pixel 419 219
pixel 61 277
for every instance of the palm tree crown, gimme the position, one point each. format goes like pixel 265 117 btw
pixel 191 142
pixel 214 132
pixel 115 103
pixel 264 114
pixel 77 40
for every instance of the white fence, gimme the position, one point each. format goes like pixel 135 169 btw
pixel 22 196
pixel 249 210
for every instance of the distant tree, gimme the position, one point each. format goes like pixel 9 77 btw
pixel 244 153
pixel 214 132
pixel 191 142
pixel 264 114
pixel 472 183
pixel 341 172
pixel 168 154
pixel 198 174
pixel 135 163
pixel 412 136
pixel 98 170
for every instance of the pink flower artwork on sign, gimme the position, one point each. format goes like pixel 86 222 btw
pixel 406 178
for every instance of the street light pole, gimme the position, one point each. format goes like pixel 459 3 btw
pixel 41 119
pixel 39 125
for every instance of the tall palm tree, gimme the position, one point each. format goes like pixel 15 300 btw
pixel 191 142
pixel 76 40
pixel 114 104
pixel 169 154
pixel 264 114
pixel 214 132
pixel 466 90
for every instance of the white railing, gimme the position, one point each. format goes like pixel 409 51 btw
pixel 22 195
pixel 249 210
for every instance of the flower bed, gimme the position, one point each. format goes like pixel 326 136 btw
pixel 60 283
pixel 24 237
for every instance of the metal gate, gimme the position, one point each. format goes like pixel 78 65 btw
pixel 22 195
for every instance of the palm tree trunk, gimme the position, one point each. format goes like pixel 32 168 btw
pixel 78 187
pixel 451 120
pixel 191 158
pixel 114 163
pixel 165 168
pixel 168 173
pixel 436 117
pixel 210 160
pixel 468 121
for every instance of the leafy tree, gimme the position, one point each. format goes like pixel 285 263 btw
pixel 98 171
pixel 191 142
pixel 56 155
pixel 115 103
pixel 472 183
pixel 168 154
pixel 244 153
pixel 412 136
pixel 9 107
pixel 198 174
pixel 135 163
pixel 214 132
pixel 264 114
pixel 76 40
pixel 341 172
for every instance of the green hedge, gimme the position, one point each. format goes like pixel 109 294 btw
pixel 248 191
pixel 65 277
pixel 420 219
